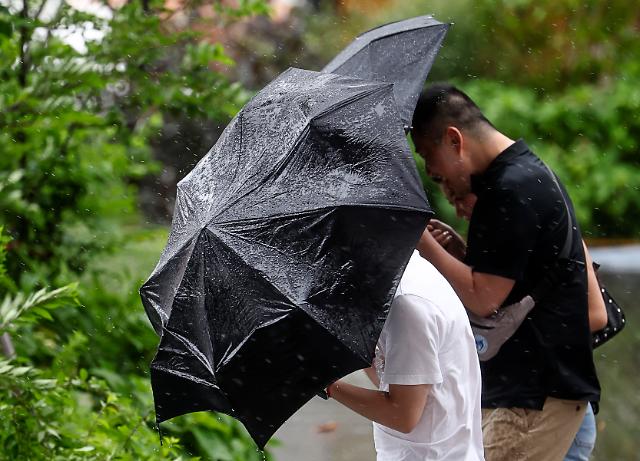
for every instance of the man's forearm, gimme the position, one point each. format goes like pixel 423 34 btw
pixel 457 273
pixel 482 297
pixel 377 406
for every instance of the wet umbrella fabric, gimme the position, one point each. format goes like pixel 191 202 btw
pixel 401 53
pixel 287 244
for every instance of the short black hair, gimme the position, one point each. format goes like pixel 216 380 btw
pixel 441 105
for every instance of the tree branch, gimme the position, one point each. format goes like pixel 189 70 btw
pixel 40 8
pixel 7 346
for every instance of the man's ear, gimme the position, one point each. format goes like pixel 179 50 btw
pixel 454 138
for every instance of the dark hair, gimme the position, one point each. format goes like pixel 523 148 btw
pixel 441 105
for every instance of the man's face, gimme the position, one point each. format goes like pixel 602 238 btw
pixel 445 163
pixel 464 206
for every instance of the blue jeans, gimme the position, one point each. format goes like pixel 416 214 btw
pixel 585 439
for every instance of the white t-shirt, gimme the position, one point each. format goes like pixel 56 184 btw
pixel 427 340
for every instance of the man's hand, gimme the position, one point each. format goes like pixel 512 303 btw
pixel 427 243
pixel 448 238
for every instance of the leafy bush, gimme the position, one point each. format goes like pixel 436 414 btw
pixel 589 136
pixel 76 124
pixel 75 132
pixel 63 410
pixel 72 418
pixel 547 45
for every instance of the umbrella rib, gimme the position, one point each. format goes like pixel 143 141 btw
pixel 187 376
pixel 222 242
pixel 280 292
pixel 248 265
pixel 261 244
pixel 399 32
pixel 317 322
pixel 349 54
pixel 379 86
pixel 407 27
pixel 238 157
pixel 192 349
pixel 276 169
pixel 230 355
pixel 386 206
pixel 302 137
pixel 235 173
pixel 170 255
pixel 161 313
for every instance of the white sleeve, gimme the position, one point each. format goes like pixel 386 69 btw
pixel 411 342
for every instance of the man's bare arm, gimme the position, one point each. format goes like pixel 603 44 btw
pixel 481 293
pixel 399 409
pixel 597 309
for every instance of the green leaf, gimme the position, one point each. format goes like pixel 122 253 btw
pixel 85 449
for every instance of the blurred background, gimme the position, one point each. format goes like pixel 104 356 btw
pixel 104 106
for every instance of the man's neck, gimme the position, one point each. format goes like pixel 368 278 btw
pixel 486 149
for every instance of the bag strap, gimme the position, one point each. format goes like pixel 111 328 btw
pixel 566 249
pixel 560 270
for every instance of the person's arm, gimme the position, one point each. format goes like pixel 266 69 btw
pixel 448 238
pixel 399 409
pixel 372 375
pixel 597 309
pixel 411 338
pixel 481 293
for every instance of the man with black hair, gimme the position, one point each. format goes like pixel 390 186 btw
pixel 535 390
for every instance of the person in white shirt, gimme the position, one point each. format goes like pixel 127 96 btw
pixel 427 372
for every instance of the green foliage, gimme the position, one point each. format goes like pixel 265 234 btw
pixel 242 8
pixel 115 319
pixel 588 135
pixel 6 283
pixel 548 45
pixel 66 410
pixel 75 125
pixel 62 413
pixel 72 418
pixel 211 434
pixel 23 308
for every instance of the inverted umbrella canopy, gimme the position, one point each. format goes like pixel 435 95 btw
pixel 287 244
pixel 401 53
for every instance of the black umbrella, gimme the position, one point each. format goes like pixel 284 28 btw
pixel 401 53
pixel 287 243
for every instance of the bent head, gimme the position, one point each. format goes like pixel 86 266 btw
pixel 464 206
pixel 448 129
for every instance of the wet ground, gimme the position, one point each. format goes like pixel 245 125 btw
pixel 324 430
pixel 302 438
